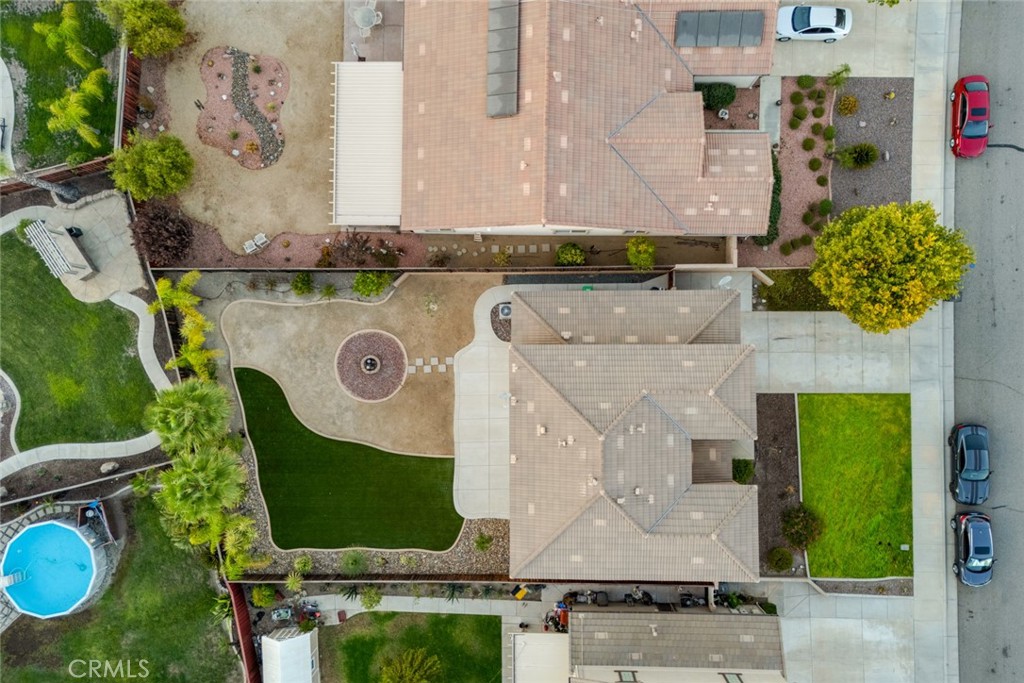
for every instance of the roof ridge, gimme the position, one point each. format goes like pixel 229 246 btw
pixel 747 350
pixel 715 536
pixel 546 543
pixel 516 296
pixel 664 41
pixel 714 315
pixel 551 387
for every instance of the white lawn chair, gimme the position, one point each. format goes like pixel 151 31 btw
pixel 261 240
pixel 250 247
pixel 364 33
pixel 378 18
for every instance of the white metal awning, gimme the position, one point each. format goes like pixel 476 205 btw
pixel 367 143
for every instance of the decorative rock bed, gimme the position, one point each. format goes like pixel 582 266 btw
pixel 371 365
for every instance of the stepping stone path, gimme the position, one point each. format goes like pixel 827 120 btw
pixel 427 366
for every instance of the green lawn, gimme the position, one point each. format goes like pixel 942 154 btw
pixel 323 493
pixel 158 609
pixel 75 365
pixel 48 74
pixel 856 467
pixel 469 647
pixel 793 291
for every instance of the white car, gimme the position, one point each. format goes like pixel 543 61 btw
pixel 803 22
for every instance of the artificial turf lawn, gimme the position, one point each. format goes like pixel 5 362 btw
pixel 157 609
pixel 75 365
pixel 48 73
pixel 468 647
pixel 856 468
pixel 324 493
pixel 793 291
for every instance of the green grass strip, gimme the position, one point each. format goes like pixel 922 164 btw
pixel 856 466
pixel 324 493
pixel 75 365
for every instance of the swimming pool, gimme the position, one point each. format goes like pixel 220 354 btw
pixel 57 569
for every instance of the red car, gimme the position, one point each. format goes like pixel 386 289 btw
pixel 970 116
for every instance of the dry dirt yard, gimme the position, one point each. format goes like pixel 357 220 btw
pixel 294 194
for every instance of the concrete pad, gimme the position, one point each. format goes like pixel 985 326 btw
pixel 754 330
pixel 838 372
pixel 790 332
pixel 849 608
pixel 836 334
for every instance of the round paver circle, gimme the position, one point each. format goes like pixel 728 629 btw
pixel 384 381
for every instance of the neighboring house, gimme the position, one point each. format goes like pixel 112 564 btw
pixel 608 647
pixel 291 656
pixel 625 409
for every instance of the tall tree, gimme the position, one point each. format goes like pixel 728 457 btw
pixel 189 416
pixel 150 27
pixel 65 35
pixel 411 666
pixel 152 167
pixel 885 266
pixel 72 111
pixel 201 485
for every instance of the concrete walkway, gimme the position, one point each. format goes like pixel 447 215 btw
pixel 7 112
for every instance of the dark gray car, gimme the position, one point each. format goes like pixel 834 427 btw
pixel 974 554
pixel 968 446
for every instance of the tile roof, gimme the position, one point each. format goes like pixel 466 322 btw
pixel 609 132
pixel 695 640
pixel 606 406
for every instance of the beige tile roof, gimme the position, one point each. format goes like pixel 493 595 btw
pixel 605 408
pixel 609 132
pixel 684 640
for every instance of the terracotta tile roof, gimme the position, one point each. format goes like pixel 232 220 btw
pixel 609 132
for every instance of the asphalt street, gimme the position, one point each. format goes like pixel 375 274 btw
pixel 989 335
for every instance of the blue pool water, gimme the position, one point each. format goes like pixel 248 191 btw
pixel 58 568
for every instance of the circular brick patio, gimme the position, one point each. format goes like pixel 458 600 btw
pixel 371 365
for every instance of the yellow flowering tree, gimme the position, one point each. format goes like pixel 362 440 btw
pixel 885 266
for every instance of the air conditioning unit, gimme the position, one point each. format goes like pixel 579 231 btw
pixel 504 311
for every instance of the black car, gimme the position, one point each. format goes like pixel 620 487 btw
pixel 974 555
pixel 969 449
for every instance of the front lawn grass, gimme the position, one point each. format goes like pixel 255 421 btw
pixel 324 493
pixel 468 646
pixel 75 365
pixel 48 73
pixel 793 291
pixel 856 466
pixel 158 609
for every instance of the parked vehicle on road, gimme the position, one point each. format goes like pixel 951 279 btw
pixel 802 22
pixel 970 116
pixel 968 447
pixel 974 553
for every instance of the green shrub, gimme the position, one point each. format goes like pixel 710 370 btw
pixel 780 560
pixel 742 470
pixel 263 595
pixel 818 225
pixel 808 144
pixel 370 597
pixel 716 95
pixel 483 542
pixel 818 111
pixel 302 284
pixel 819 96
pixel 293 581
pixel 801 526
pixel 640 253
pixel 814 164
pixel 848 105
pixel 353 563
pixel 797 98
pixel 806 81
pixel 776 207
pixel 813 207
pixel 822 180
pixel 303 564
pixel 502 259
pixel 837 79
pixel 307 625
pixel 807 218
pixel 371 282
pixel 786 249
pixel 825 207
pixel 816 128
pixel 233 135
pixel 770 607
pixel 806 239
pixel 861 155
pixel 829 133
pixel 795 243
pixel 570 254
pixel 794 123
pixel 800 112
pixel 328 291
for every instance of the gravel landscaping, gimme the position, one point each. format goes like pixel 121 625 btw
pixel 371 365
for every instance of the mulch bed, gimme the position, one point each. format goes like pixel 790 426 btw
pixel 379 382
pixel 776 474
pixel 747 103
pixel 502 328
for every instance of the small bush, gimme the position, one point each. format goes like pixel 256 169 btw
pixel 819 96
pixel 502 259
pixel 716 95
pixel 307 625
pixel 818 112
pixel 439 259
pixel 302 284
pixel 829 133
pixel 252 147
pixel 233 135
pixel 814 164
pixel 640 252
pixel 570 254
pixel 837 79
pixel 303 564
pixel 806 81
pixel 797 98
pixel 371 282
pixel 775 211
pixel 263 595
pixel 409 561
pixel 816 128
pixel 859 156
pixel 770 607
pixel 293 581
pixel 813 207
pixel 780 560
pixel 785 249
pixel 848 105
pixel 800 112
pixel 825 208
pixel 483 542
pixel 808 144
pixel 822 180
pixel 370 597
pixel 256 68
pixel 794 123
pixel 806 240
pixel 742 470
pixel 795 243
pixel 807 218
pixel 353 563
pixel 801 526
pixel 328 291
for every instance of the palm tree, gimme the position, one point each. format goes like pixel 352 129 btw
pixel 194 328
pixel 71 111
pixel 202 485
pixel 189 415
pixel 177 295
pixel 411 666
pixel 293 582
pixel 197 359
pixel 66 35
pixel 66 192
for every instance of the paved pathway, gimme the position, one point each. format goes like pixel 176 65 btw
pixel 7 114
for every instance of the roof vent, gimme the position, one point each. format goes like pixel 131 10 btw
pixel 541 430
pixel 504 312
